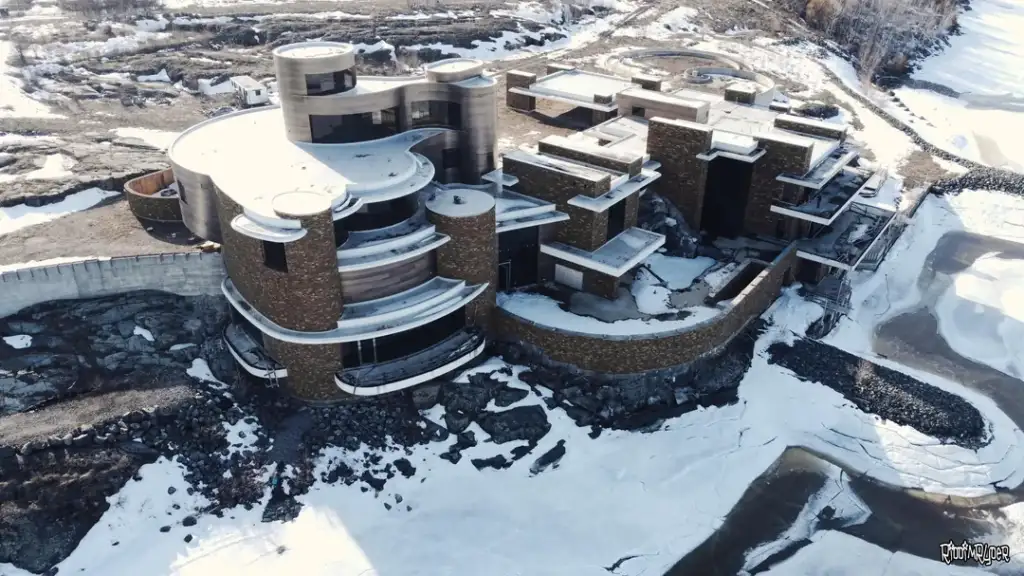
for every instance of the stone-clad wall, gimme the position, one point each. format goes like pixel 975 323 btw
pixel 781 156
pixel 471 255
pixel 519 79
pixel 140 194
pixel 585 229
pixel 683 177
pixel 803 126
pixel 632 210
pixel 307 297
pixel 564 150
pixel 311 369
pixel 634 354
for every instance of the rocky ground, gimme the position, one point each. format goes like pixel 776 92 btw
pixel 890 394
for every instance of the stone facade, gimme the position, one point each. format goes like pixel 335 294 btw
pixel 612 355
pixel 676 145
pixel 471 255
pixel 519 79
pixel 655 105
pixel 632 210
pixel 307 297
pixel 647 82
pixel 781 157
pixel 605 159
pixel 145 204
pixel 740 94
pixel 803 126
pixel 311 369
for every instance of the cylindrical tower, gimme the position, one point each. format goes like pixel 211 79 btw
pixel 478 122
pixel 311 70
pixel 294 283
pixel 467 216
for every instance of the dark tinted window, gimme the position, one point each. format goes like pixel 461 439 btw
pixel 273 256
pixel 353 127
pixel 450 158
pixel 435 113
pixel 330 83
pixel 382 214
pixel 395 346
pixel 340 233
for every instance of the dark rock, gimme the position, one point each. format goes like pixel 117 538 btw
pixel 498 462
pixel 549 458
pixel 506 396
pixel 387 506
pixel 7 452
pixel 456 421
pixel 165 528
pixel 452 456
pixel 188 521
pixel 405 467
pixel 171 489
pixel 188 538
pixel 375 483
pixel 465 440
pixel 522 423
pixel 426 396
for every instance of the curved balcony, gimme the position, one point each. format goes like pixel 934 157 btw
pixel 382 378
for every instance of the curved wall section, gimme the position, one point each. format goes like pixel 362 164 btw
pixel 146 201
pixel 643 353
pixel 197 201
pixel 381 281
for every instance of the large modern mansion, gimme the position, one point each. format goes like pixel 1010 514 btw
pixel 367 223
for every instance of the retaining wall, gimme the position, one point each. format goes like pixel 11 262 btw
pixel 185 274
pixel 645 352
pixel 146 203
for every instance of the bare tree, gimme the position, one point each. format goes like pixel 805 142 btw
pixel 881 32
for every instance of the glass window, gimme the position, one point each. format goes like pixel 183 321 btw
pixel 435 113
pixel 353 127
pixel 450 158
pixel 328 83
pixel 274 257
pixel 382 214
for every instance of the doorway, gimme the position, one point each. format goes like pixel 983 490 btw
pixel 518 254
pixel 616 220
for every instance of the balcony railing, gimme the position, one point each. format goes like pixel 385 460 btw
pixel 445 352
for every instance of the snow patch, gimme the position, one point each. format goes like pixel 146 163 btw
pixel 18 341
pixel 22 216
pixel 140 331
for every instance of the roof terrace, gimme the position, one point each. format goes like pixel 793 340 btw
pixel 825 204
pixel 615 257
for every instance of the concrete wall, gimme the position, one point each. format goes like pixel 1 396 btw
pixel 642 353
pixel 185 274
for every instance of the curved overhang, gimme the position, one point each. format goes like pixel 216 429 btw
pixel 247 226
pixel 412 380
pixel 372 326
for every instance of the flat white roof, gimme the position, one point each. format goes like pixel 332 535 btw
pixel 616 257
pixel 454 65
pixel 250 159
pixel 460 202
pixel 579 85
pixel 314 49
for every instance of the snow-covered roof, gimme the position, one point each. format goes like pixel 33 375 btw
pixel 580 85
pixel 251 160
pixel 314 49
pixel 615 257
pixel 246 82
pixel 460 202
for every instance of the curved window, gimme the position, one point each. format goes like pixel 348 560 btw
pixel 435 113
pixel 330 83
pixel 382 214
pixel 402 344
pixel 353 127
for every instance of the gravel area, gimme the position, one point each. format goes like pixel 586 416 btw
pixel 887 393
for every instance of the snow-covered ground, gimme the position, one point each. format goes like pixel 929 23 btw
pixel 655 498
pixel 979 314
pixel 986 58
pixel 14 102
pixel 161 139
pixel 834 553
pixel 676 21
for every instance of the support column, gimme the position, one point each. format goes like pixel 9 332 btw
pixel 467 216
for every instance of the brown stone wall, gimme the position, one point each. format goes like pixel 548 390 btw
pixel 604 161
pixel 139 192
pixel 585 229
pixel 683 176
pixel 628 356
pixel 823 129
pixel 519 79
pixel 470 255
pixel 739 96
pixel 308 297
pixel 647 82
pixel 311 369
pixel 780 157
pixel 632 209
pixel 600 116
pixel 600 284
